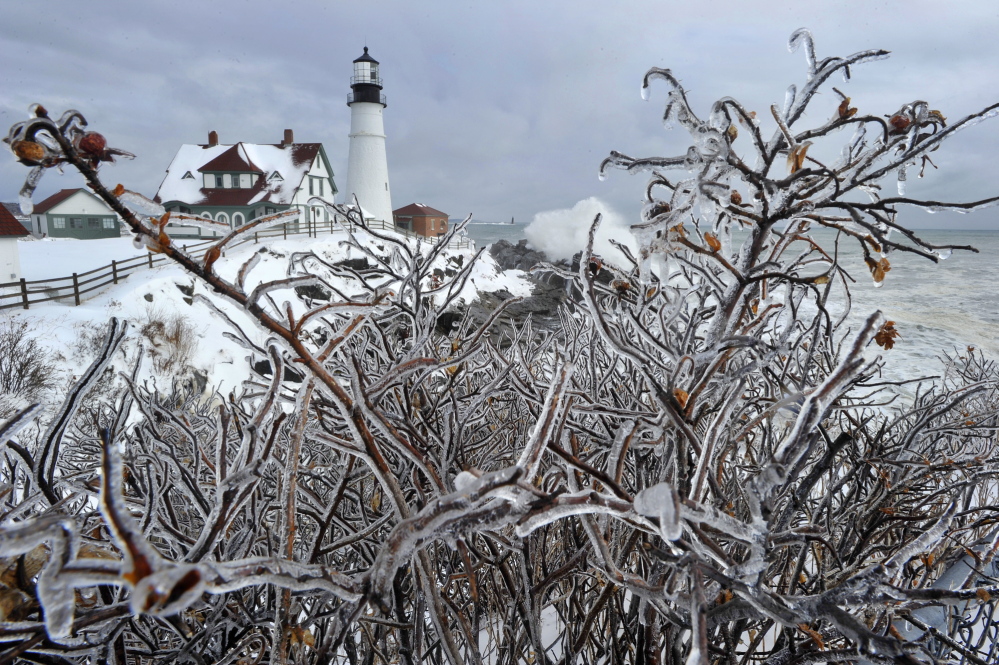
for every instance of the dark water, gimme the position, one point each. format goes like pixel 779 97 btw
pixel 485 233
pixel 937 307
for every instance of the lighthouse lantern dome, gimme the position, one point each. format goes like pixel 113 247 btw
pixel 366 70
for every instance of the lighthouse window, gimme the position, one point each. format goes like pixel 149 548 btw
pixel 218 181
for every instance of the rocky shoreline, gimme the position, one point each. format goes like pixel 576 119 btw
pixel 550 291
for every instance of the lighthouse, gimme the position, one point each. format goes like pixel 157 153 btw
pixel 367 167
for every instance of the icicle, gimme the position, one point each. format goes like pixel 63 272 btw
pixel 663 502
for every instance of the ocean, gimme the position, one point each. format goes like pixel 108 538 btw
pixel 937 307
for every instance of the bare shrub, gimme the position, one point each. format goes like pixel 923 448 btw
pixel 171 340
pixel 27 371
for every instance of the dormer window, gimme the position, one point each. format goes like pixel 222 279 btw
pixel 275 176
pixel 188 176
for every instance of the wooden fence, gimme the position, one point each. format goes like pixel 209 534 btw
pixel 71 290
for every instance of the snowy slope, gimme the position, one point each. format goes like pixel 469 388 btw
pixel 158 300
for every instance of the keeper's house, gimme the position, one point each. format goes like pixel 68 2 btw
pixel 74 213
pixel 237 183
pixel 421 219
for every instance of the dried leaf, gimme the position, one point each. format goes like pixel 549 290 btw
pixel 821 279
pixel 885 337
pixel 814 634
pixel 796 156
pixel 724 596
pixel 733 133
pixel 939 117
pixel 845 110
pixel 983 595
pixel 119 190
pixel 878 268
pixel 681 397
pixel 736 198
pixel 713 242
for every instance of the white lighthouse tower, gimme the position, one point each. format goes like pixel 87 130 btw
pixel 367 167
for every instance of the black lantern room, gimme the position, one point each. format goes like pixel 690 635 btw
pixel 366 83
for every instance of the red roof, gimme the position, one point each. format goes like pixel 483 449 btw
pixel 418 209
pixel 233 159
pixel 53 201
pixel 9 226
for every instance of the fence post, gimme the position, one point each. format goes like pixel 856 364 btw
pixel 256 238
pixel 76 288
pixel 24 293
pixel 150 255
pixel 284 230
pixel 114 271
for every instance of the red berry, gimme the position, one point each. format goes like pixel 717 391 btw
pixel 93 143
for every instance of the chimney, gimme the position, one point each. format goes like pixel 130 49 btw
pixel 213 138
pixel 289 137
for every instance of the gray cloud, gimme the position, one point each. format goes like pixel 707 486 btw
pixel 499 109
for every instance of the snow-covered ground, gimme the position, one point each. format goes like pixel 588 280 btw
pixel 163 294
pixel 50 258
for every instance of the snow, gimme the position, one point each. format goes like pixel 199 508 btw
pixel 61 257
pixel 155 294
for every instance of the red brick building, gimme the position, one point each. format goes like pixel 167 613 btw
pixel 421 219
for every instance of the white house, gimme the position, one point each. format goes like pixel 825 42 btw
pixel 10 231
pixel 74 213
pixel 237 183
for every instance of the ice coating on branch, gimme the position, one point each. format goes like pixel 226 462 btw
pixel 789 96
pixel 646 92
pixel 661 501
pixel 464 480
pixel 30 183
pixel 142 205
pixel 804 36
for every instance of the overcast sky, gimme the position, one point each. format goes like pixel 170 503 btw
pixel 501 109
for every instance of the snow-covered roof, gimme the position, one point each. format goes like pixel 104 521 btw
pixel 291 161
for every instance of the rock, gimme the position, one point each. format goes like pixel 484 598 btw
pixel 515 257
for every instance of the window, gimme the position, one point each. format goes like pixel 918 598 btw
pixel 276 176
pixel 320 186
pixel 93 223
pixel 235 180
pixel 269 211
pixel 312 182
pixel 110 222
pixel 188 176
pixel 76 222
pixel 206 215
pixel 222 217
pixel 237 219
pixel 218 181
pixel 59 222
